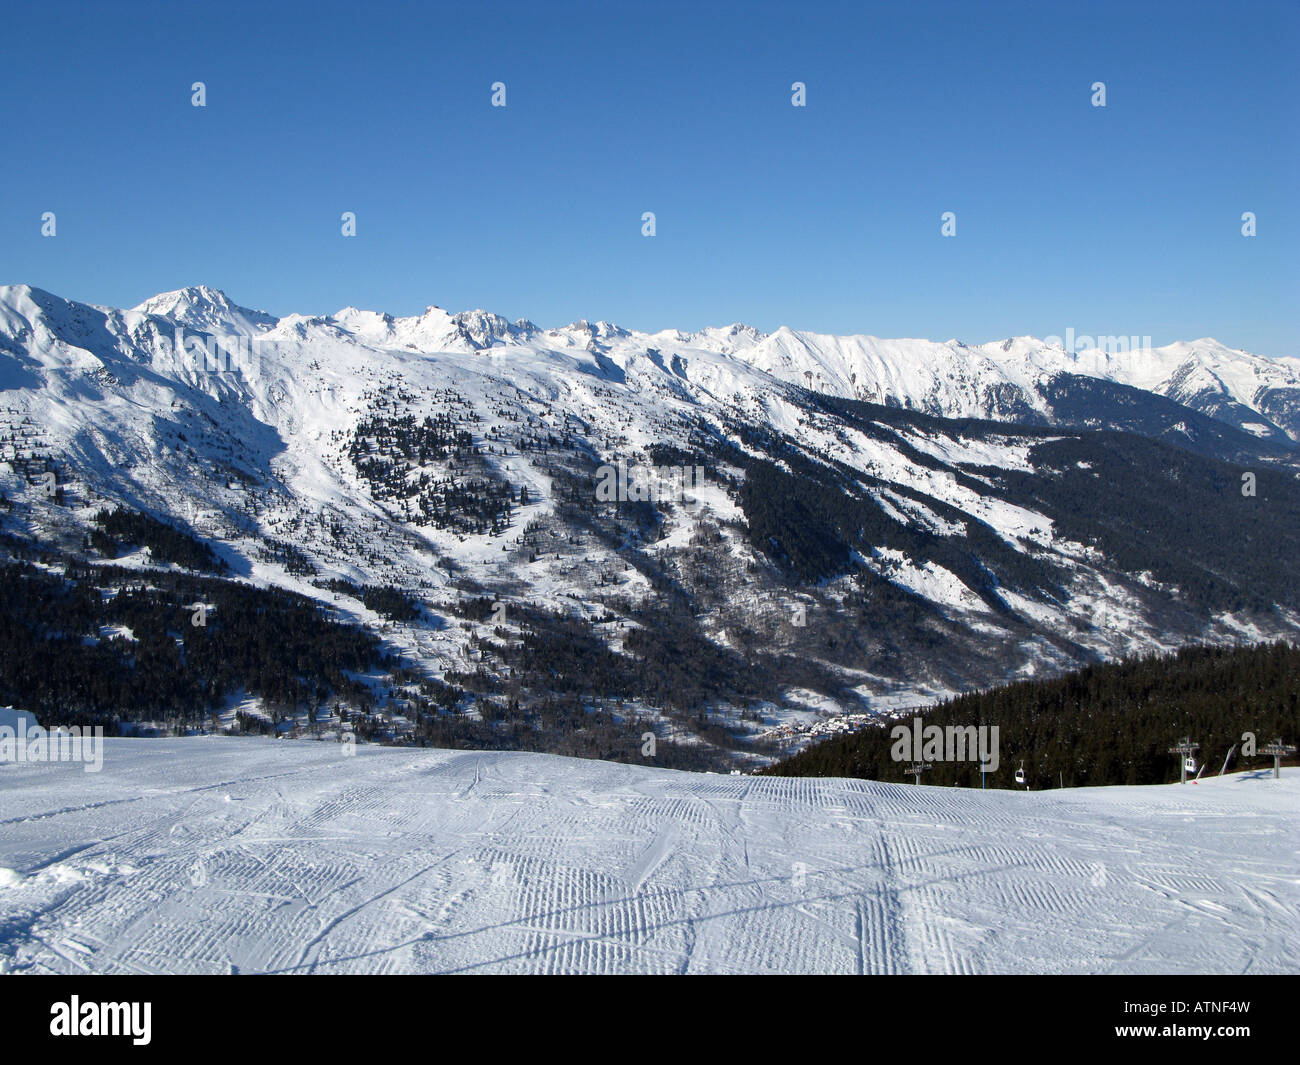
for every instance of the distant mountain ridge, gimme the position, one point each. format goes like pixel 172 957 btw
pixel 1003 380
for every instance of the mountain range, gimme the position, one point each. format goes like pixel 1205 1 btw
pixel 870 523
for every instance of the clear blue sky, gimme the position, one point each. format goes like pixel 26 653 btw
pixel 1122 220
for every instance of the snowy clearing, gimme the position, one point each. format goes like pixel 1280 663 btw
pixel 220 855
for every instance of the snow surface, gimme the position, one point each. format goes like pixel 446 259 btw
pixel 220 855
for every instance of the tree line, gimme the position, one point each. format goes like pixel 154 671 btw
pixel 1104 724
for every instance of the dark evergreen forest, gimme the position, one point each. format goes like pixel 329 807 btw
pixel 1106 724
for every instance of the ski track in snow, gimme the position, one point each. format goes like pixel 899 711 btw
pixel 220 855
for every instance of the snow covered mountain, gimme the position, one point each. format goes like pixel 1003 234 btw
pixel 828 530
pixel 1009 379
pixel 1004 380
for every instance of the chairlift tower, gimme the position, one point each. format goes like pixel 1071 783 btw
pixel 1277 749
pixel 1185 749
pixel 916 769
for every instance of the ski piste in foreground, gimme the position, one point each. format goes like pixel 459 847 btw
pixel 261 856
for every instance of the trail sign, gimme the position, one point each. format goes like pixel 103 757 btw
pixel 1277 749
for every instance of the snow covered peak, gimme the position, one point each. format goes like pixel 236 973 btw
pixel 11 295
pixel 729 339
pixel 205 308
pixel 483 329
pixel 20 304
pixel 358 321
pixel 592 335
pixel 31 303
pixel 51 330
pixel 433 331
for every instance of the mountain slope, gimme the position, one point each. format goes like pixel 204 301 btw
pixel 821 553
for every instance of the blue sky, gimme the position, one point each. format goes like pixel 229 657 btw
pixel 1124 220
